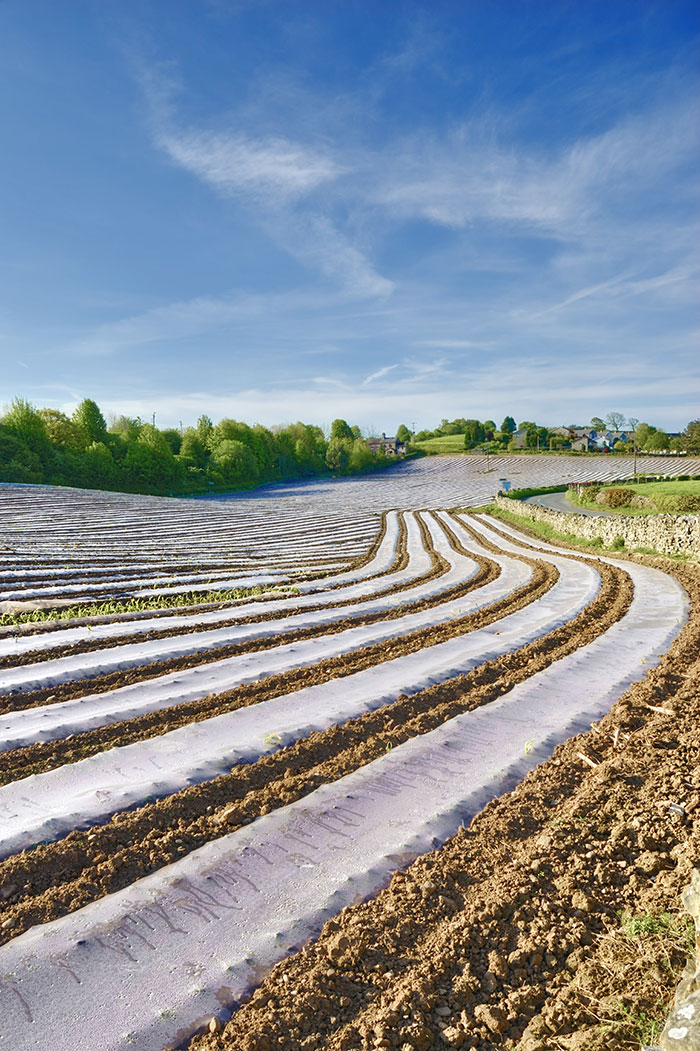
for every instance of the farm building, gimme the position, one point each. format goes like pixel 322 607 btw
pixel 391 446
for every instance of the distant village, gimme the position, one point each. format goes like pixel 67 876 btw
pixel 615 434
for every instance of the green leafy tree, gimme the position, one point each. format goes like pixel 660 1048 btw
pixel 90 421
pixel 60 430
pixel 235 462
pixel 657 442
pixel 204 428
pixel 341 429
pixel 23 421
pixel 262 442
pixel 173 438
pixel 508 425
pixel 360 457
pixel 474 433
pixel 150 464
pixel 98 465
pixel 597 423
pixel 193 451
pixel 17 461
pixel 531 435
pixel 338 454
pixel 127 427
pixel 643 433
pixel 403 434
pixel 690 438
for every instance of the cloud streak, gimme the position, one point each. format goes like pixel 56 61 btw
pixel 234 164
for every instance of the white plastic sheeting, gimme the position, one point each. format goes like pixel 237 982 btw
pixel 131 655
pixel 174 946
pixel 48 722
pixel 48 805
pixel 51 639
pixel 419 563
pixel 88 545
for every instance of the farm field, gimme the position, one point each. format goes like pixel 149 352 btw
pixel 376 796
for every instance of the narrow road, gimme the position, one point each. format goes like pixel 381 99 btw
pixel 558 502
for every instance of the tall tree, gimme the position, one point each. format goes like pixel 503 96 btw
pixel 643 432
pixel 597 424
pixel 204 428
pixel 690 439
pixel 403 434
pixel 473 434
pixel 508 425
pixel 338 454
pixel 90 421
pixel 61 430
pixel 341 429
pixel 24 422
pixel 657 442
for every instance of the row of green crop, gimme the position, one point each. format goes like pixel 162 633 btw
pixel 138 605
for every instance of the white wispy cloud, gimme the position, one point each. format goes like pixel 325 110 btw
pixel 278 175
pixel 378 375
pixel 233 163
pixel 471 176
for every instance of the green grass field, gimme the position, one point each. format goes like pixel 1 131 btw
pixel 448 443
pixel 671 488
pixel 671 497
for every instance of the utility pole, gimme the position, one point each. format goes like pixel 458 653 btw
pixel 153 419
pixel 181 428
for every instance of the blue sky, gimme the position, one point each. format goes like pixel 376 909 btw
pixel 391 212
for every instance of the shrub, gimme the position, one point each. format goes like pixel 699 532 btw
pixel 638 500
pixel 688 502
pixel 589 493
pixel 680 503
pixel 618 544
pixel 617 497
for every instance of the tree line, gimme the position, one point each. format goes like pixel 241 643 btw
pixel 130 455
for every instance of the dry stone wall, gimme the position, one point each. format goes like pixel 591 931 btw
pixel 668 534
pixel 682 1030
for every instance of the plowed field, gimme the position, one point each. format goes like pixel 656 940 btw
pixel 398 796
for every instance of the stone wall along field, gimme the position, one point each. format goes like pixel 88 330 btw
pixel 668 534
pixel 682 1031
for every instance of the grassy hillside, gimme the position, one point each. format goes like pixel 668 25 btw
pixel 448 443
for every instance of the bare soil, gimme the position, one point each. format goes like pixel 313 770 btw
pixel 552 922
